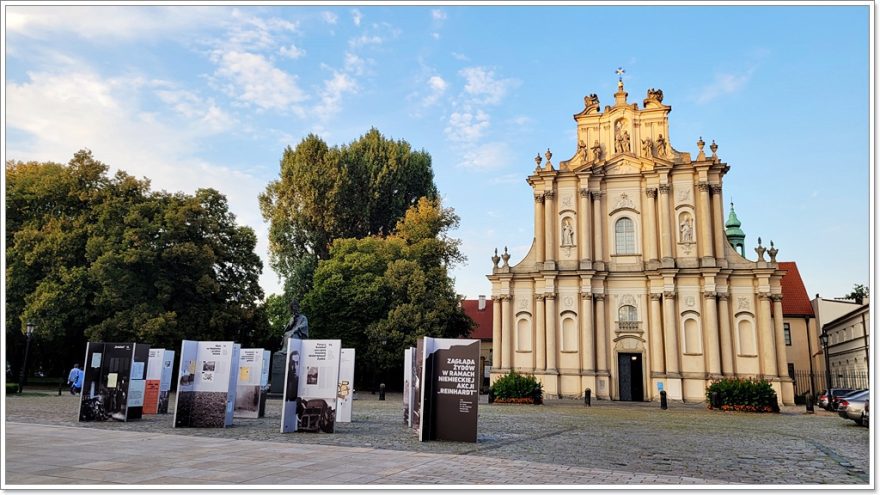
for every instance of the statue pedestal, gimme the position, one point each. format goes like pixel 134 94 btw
pixel 276 377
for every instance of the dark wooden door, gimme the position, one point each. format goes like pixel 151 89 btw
pixel 629 369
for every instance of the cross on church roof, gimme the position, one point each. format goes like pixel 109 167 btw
pixel 620 72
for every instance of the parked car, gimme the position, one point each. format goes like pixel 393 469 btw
pixel 825 398
pixel 835 402
pixel 866 416
pixel 851 406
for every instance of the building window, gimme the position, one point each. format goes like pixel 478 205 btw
pixel 625 236
pixel 786 330
pixel 627 313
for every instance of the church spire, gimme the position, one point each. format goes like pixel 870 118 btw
pixel 734 233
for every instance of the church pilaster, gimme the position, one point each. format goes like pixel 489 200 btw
pixel 718 221
pixel 650 234
pixel 506 333
pixel 655 335
pixel 665 233
pixel 726 338
pixel 550 302
pixel 539 227
pixel 597 226
pixel 710 323
pixel 767 342
pixel 704 221
pixel 585 241
pixel 540 333
pixel 549 226
pixel 670 333
pixel 587 340
pixel 779 333
pixel 601 333
pixel 496 332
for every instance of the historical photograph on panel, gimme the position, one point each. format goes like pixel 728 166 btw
pixel 248 389
pixel 165 383
pixel 345 389
pixel 290 409
pixel 203 391
pixel 106 381
pixel 189 351
pixel 317 389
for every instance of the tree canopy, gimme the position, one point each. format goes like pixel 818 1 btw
pixel 859 293
pixel 380 294
pixel 326 193
pixel 94 257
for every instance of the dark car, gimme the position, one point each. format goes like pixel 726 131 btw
pixel 835 402
pixel 827 396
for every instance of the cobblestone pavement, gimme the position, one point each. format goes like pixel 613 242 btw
pixel 637 441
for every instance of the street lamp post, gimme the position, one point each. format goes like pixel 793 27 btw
pixel 30 331
pixel 824 338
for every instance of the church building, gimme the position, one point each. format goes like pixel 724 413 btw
pixel 631 285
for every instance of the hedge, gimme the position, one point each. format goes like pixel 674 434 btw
pixel 743 394
pixel 516 386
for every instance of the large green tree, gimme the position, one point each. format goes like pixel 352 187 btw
pixel 326 193
pixel 380 294
pixel 94 257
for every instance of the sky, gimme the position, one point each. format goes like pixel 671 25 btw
pixel 209 96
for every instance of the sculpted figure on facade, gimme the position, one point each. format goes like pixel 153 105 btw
pixel 567 234
pixel 661 146
pixel 597 150
pixel 623 201
pixel 687 229
pixel 647 147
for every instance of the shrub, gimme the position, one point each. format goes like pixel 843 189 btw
pixel 11 388
pixel 516 386
pixel 743 394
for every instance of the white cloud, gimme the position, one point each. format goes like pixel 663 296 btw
pixel 329 17
pixel 488 156
pixel 253 79
pixel 292 51
pixel 436 36
pixel 467 126
pixel 110 23
pixel 354 64
pixel 66 111
pixel 247 32
pixel 356 17
pixel 202 112
pixel 438 15
pixel 331 95
pixel 521 120
pixel 724 83
pixel 364 40
pixel 482 84
pixel 460 56
pixel 436 88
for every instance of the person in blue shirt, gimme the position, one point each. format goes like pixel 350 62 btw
pixel 75 379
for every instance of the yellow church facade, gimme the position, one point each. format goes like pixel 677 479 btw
pixel 630 286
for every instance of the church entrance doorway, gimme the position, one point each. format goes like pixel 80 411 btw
pixel 629 372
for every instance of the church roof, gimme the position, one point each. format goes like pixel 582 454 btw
pixel 733 225
pixel 482 317
pixel 795 301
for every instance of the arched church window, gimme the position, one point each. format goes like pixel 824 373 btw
pixel 627 313
pixel 625 236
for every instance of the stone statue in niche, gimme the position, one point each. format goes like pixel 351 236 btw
pixel 597 150
pixel 626 145
pixel 618 138
pixel 567 234
pixel 687 229
pixel 582 151
pixel 647 147
pixel 661 146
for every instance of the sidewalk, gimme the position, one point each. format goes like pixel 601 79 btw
pixel 41 455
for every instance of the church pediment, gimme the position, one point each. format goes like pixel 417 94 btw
pixel 623 165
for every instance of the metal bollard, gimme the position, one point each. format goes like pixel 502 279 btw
pixel 663 404
pixel 716 402
pixel 381 391
pixel 809 399
pixel 587 394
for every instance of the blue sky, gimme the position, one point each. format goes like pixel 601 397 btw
pixel 209 96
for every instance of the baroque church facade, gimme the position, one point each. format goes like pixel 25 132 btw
pixel 631 286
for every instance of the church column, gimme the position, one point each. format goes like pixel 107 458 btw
pixel 587 340
pixel 549 226
pixel 550 301
pixel 584 234
pixel 655 334
pixel 650 233
pixel 704 222
pixel 779 333
pixel 497 343
pixel 718 222
pixel 540 354
pixel 710 324
pixel 506 333
pixel 539 227
pixel 597 226
pixel 765 330
pixel 726 338
pixel 601 334
pixel 670 332
pixel 665 232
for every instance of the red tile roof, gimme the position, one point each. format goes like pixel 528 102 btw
pixel 483 318
pixel 795 301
